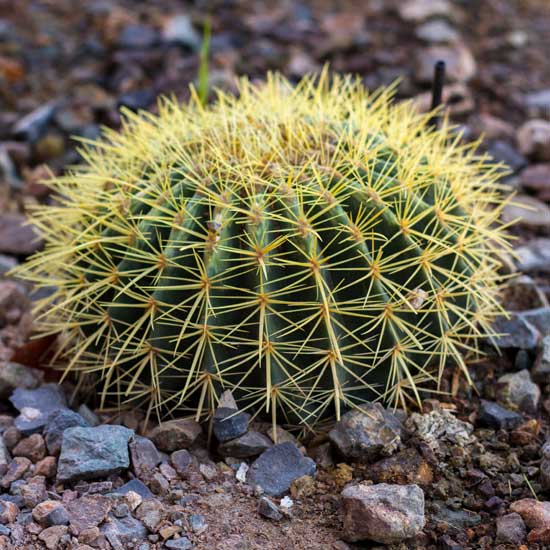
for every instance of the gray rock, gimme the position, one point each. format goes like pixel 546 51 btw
pixel 275 469
pixel 366 434
pixel 517 390
pixel 383 513
pixel 178 29
pixel 57 516
pixel 175 434
pixel 145 456
pixel 538 103
pixel 121 532
pixel 268 509
pixel 58 421
pixel 541 369
pixel 183 543
pixel 511 529
pixel 32 126
pixel 136 486
pixel 416 11
pixel 437 31
pixel 181 460
pixel 36 405
pixel 246 446
pixel 539 318
pixel 229 423
pixel 93 452
pixel 458 519
pixel 515 332
pixel 90 416
pixel 545 473
pixel 14 375
pixel 494 416
pixel 502 151
pixel 5 458
pixel 198 524
pixel 534 256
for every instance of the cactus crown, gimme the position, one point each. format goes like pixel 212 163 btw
pixel 307 247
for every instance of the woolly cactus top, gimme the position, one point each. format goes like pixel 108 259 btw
pixel 307 247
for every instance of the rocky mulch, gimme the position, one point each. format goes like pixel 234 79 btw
pixel 471 470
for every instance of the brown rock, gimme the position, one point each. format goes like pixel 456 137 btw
pixel 46 467
pixel 144 456
pixel 404 468
pixel 8 512
pixel 11 436
pixel 88 511
pixel 32 447
pixel 42 510
pixel 52 535
pixel 536 515
pixel 302 487
pixel 34 491
pixel 151 513
pixel 16 237
pixel 175 434
pixel 91 536
pixel 181 460
pixel 16 470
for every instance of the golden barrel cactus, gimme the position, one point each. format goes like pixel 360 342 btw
pixel 308 247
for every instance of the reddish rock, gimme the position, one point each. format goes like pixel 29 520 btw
pixel 52 535
pixel 16 470
pixel 404 468
pixel 16 237
pixel 32 447
pixel 87 512
pixel 8 512
pixel 537 178
pixel 11 436
pixel 42 510
pixel 175 434
pixel 46 467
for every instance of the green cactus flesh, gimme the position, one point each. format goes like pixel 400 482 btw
pixel 309 248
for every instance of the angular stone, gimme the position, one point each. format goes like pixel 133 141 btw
pixel 538 318
pixel 46 467
pixel 93 452
pixel 404 468
pixel 87 512
pixel 268 509
pixel 5 458
pixel 14 375
pixel 8 512
pixel 515 332
pixel 181 460
pixel 534 256
pixel 122 532
pixel 536 515
pixel 248 445
pixel 383 513
pixel 34 492
pixel 278 467
pixel 31 447
pixel 52 536
pixel 365 434
pixel 494 416
pixel 58 421
pixel 17 468
pixel 537 179
pixel 175 434
pixel 511 529
pixel 151 512
pixel 183 543
pixel 145 456
pixel 517 391
pixel 136 486
pixel 229 424
pixel 502 151
pixel 36 405
pixel 42 513
pixel 198 524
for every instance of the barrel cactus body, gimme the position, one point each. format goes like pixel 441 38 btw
pixel 308 247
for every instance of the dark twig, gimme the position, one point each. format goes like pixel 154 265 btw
pixel 437 91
